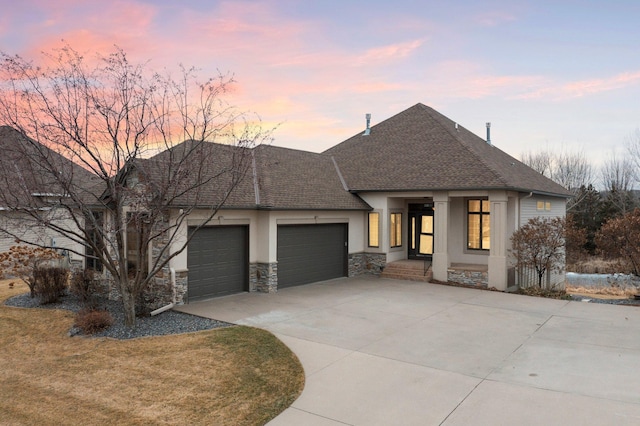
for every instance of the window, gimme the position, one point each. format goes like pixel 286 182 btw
pixel 542 205
pixel 93 235
pixel 395 236
pixel 478 228
pixel 374 229
pixel 137 235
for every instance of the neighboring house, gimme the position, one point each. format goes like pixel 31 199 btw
pixel 415 186
pixel 26 186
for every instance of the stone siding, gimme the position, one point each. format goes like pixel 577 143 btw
pixel 263 277
pixel 366 263
pixel 471 278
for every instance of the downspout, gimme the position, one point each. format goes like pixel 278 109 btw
pixel 172 273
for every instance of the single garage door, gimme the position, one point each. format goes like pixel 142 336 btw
pixel 310 253
pixel 218 259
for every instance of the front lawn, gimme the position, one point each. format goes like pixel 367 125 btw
pixel 226 376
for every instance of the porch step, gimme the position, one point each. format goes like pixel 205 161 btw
pixel 407 270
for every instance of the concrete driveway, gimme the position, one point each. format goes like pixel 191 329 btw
pixel 386 352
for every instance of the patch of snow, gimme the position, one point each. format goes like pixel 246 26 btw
pixel 602 280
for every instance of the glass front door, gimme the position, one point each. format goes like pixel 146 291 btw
pixel 420 231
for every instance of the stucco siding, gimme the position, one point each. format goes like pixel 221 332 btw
pixel 41 235
pixel 548 207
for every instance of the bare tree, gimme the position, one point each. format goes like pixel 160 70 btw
pixel 617 181
pixel 118 203
pixel 632 145
pixel 569 169
pixel 541 162
pixel 572 170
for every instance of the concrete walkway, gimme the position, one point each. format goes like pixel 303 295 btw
pixel 387 352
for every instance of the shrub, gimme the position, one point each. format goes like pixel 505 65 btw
pixel 51 283
pixel 619 238
pixel 21 261
pixel 539 245
pixel 91 321
pixel 83 287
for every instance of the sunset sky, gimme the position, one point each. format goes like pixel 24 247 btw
pixel 547 74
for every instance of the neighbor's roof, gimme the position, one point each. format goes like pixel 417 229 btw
pixel 30 170
pixel 421 149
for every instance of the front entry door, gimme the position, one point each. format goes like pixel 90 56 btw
pixel 421 232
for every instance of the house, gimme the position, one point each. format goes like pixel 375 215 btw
pixel 30 194
pixel 416 186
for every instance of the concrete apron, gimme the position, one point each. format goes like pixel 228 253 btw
pixel 381 352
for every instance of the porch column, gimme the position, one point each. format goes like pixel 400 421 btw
pixel 441 228
pixel 499 238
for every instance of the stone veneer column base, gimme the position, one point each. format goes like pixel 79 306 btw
pixel 263 277
pixel 470 278
pixel 366 263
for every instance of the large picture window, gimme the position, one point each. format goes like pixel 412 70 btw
pixel 395 236
pixel 374 229
pixel 478 227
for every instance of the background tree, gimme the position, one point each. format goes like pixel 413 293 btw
pixel 632 145
pixel 576 241
pixel 110 116
pixel 539 244
pixel 587 215
pixel 617 176
pixel 572 170
pixel 619 238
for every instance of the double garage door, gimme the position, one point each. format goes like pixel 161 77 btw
pixel 218 257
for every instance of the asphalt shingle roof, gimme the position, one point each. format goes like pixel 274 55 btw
pixel 269 177
pixel 293 179
pixel 418 149
pixel 421 149
pixel 29 169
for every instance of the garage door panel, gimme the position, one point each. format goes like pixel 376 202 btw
pixel 310 253
pixel 217 259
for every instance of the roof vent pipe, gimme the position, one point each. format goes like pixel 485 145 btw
pixel 489 133
pixel 368 129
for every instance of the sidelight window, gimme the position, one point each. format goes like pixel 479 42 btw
pixel 374 229
pixel 395 236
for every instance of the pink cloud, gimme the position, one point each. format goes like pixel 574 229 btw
pixel 389 52
pixel 581 88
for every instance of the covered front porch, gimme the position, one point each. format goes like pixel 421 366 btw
pixel 463 236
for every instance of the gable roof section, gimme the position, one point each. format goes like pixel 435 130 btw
pixel 201 173
pixel 28 171
pixel 269 177
pixel 421 149
pixel 293 179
